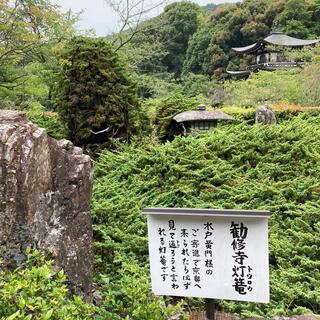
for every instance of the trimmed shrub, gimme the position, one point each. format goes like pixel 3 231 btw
pixel 273 168
pixel 95 96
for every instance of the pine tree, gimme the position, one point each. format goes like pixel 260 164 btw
pixel 95 96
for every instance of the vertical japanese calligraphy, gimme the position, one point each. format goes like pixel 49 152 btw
pixel 173 245
pixel 185 258
pixel 242 271
pixel 218 257
pixel 194 251
pixel 208 253
pixel 162 253
pixel 195 257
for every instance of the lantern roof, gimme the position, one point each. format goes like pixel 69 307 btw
pixel 202 115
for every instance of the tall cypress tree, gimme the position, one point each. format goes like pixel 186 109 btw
pixel 95 96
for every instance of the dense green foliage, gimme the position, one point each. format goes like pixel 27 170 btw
pixel 36 291
pixel 279 86
pixel 186 40
pixel 31 33
pixel 272 168
pixel 145 52
pixel 174 62
pixel 47 120
pixel 236 25
pixel 95 96
pixel 127 296
pixel 181 20
pixel 289 86
pixel 197 58
pixel 283 112
pixel 299 18
pixel 241 24
pixel 167 109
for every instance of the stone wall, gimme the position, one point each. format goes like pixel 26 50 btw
pixel 45 195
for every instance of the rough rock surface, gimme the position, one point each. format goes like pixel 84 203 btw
pixel 45 194
pixel 265 115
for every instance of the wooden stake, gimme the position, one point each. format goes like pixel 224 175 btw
pixel 210 309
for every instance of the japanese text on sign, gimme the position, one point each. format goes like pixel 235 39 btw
pixel 209 257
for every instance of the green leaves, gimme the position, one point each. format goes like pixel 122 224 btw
pixel 36 291
pixel 13 316
pixel 48 315
pixel 301 87
pixel 169 107
pixel 131 298
pixel 48 120
pixel 180 21
pixel 95 96
pixel 272 168
pixel 229 25
pixel 31 33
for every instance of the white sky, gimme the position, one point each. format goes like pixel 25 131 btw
pixel 99 17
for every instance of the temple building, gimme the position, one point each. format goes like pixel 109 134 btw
pixel 269 53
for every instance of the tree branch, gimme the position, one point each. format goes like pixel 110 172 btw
pixel 131 15
pixel 101 131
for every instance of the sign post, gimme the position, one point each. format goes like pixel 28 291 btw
pixel 209 253
pixel 210 309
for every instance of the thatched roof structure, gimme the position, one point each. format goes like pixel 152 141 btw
pixel 202 115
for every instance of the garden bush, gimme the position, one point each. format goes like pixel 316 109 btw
pixel 273 168
pixel 167 108
pixel 273 87
pixel 130 297
pixel 283 112
pixel 47 120
pixel 95 95
pixel 36 291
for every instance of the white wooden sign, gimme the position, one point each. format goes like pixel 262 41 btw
pixel 209 253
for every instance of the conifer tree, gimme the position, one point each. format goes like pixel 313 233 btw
pixel 95 96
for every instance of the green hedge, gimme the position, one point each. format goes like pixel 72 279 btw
pixel 282 112
pixel 272 168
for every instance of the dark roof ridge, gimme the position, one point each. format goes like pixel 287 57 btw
pixel 276 38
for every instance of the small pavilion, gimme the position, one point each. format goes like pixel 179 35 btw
pixel 269 53
pixel 200 119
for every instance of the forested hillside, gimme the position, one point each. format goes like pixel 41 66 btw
pixel 186 49
pixel 208 36
pixel 115 97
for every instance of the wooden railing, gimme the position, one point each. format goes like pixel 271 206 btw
pixel 275 65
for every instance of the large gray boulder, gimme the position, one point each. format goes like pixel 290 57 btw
pixel 265 115
pixel 45 195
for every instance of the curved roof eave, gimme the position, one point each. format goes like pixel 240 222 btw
pixel 248 49
pixel 276 38
pixel 281 39
pixel 239 73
